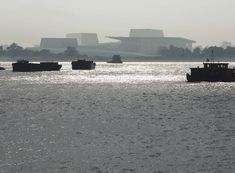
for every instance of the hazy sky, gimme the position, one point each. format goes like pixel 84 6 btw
pixel 209 22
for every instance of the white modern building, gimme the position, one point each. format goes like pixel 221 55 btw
pixel 58 43
pixel 85 39
pixel 146 33
pixel 149 41
pixel 139 43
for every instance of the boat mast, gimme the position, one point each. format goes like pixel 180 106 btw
pixel 212 55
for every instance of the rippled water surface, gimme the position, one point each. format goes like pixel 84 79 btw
pixel 131 117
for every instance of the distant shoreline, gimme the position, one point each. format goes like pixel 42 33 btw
pixel 124 59
pixel 134 60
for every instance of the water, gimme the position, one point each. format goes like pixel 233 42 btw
pixel 134 117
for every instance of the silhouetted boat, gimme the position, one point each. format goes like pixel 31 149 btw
pixel 25 66
pixel 115 59
pixel 83 65
pixel 212 72
pixel 2 68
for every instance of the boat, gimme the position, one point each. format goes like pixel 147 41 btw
pixel 26 66
pixel 2 68
pixel 212 72
pixel 83 65
pixel 115 59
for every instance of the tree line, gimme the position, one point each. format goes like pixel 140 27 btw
pixel 175 52
pixel 14 51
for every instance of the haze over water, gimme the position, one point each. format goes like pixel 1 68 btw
pixel 135 117
pixel 208 22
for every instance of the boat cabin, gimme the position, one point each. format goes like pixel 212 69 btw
pixel 23 61
pixel 215 65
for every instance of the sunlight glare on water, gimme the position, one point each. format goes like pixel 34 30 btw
pixel 131 117
pixel 107 73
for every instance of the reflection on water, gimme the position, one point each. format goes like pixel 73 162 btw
pixel 131 117
pixel 106 73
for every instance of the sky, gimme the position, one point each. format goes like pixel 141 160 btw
pixel 208 22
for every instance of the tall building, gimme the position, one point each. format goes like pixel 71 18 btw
pixel 150 41
pixel 85 39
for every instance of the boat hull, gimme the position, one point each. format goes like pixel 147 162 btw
pixel 88 65
pixel 212 72
pixel 33 67
pixel 210 78
pixel 115 62
pixel 115 59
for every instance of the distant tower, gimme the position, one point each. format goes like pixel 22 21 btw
pixel 85 39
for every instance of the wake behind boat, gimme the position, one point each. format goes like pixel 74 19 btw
pixel 25 66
